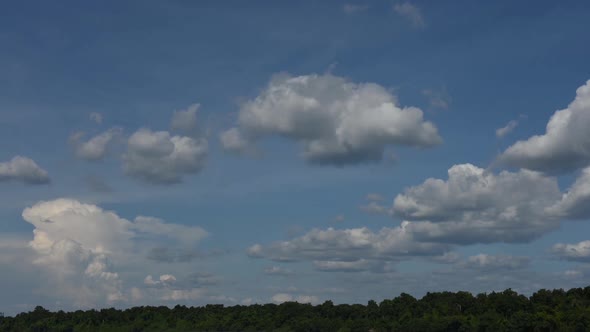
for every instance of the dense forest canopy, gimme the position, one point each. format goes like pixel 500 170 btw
pixel 545 310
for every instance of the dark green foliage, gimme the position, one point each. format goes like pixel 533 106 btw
pixel 546 310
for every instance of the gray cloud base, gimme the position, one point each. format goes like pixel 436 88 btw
pixel 336 121
pixel 23 169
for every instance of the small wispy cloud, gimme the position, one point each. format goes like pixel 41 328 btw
pixel 96 117
pixel 351 8
pixel 509 127
pixel 411 13
pixel 437 98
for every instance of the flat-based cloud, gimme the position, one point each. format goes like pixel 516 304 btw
pixel 23 169
pixel 82 248
pixel 337 122
pixel 157 157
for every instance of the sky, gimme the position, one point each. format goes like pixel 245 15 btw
pixel 178 152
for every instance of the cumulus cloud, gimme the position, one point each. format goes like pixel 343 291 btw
pixel 96 147
pixel 82 247
pixel 23 169
pixel 337 122
pixel 349 250
pixel 564 147
pixel 476 206
pixel 159 158
pixel 411 13
pixel 579 252
pixel 185 120
pixel 507 129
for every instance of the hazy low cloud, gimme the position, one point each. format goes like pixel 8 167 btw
pixel 23 169
pixel 286 297
pixel 579 252
pixel 338 122
pixel 496 262
pixel 277 271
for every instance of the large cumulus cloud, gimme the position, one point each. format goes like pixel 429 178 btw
pixel 477 206
pixel 336 121
pixel 83 248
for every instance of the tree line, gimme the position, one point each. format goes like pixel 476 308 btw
pixel 545 310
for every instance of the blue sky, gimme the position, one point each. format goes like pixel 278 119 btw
pixel 285 150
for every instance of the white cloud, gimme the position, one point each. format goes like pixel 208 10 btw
pixel 185 120
pixel 165 280
pixel 23 169
pixel 348 249
pixel 158 158
pixel 507 129
pixel 411 13
pixel 96 117
pixel 564 147
pixel 96 147
pixel 575 203
pixel 573 252
pixel 476 206
pixel 337 122
pixel 83 248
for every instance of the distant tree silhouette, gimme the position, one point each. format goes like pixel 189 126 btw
pixel 545 310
